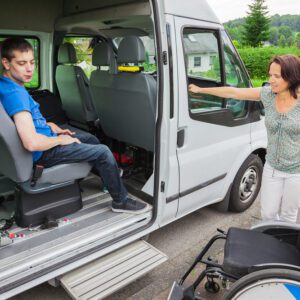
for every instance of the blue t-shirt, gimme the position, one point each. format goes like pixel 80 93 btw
pixel 14 99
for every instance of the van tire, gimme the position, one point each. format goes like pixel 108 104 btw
pixel 246 184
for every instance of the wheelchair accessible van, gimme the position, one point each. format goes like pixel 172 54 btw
pixel 258 263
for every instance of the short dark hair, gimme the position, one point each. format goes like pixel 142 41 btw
pixel 290 71
pixel 14 43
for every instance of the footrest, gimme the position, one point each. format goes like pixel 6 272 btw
pixel 108 274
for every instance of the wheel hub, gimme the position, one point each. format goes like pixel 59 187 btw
pixel 248 184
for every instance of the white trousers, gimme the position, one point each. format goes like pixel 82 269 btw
pixel 280 194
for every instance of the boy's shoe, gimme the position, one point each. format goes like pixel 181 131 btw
pixel 130 206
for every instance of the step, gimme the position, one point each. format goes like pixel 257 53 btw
pixel 110 273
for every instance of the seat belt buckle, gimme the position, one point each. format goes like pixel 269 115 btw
pixel 37 173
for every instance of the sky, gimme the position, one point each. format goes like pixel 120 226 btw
pixel 232 9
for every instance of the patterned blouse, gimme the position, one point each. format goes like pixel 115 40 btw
pixel 283 131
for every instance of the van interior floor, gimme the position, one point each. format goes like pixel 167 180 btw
pixel 89 228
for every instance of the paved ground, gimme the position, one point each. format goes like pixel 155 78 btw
pixel 181 241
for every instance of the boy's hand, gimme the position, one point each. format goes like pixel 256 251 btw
pixel 58 130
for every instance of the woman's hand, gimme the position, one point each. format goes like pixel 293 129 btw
pixel 194 89
pixel 58 130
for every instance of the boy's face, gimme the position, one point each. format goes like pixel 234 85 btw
pixel 20 68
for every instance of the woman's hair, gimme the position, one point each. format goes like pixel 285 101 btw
pixel 290 71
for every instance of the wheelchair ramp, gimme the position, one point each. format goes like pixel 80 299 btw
pixel 108 274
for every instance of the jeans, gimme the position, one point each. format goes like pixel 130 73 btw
pixel 280 195
pixel 90 150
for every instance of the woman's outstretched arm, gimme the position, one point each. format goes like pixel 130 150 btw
pixel 228 92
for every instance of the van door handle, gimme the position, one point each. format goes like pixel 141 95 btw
pixel 180 138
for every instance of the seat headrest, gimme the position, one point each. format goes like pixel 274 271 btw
pixel 131 50
pixel 66 54
pixel 103 55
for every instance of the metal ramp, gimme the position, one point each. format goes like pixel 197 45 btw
pixel 108 274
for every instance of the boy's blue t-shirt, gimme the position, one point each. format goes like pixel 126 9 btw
pixel 14 99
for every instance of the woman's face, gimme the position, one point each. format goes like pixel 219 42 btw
pixel 278 84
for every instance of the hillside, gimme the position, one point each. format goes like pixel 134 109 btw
pixel 284 30
pixel 293 21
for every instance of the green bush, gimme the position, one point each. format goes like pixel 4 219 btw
pixel 257 60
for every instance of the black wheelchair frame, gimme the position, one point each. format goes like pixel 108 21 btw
pixel 214 270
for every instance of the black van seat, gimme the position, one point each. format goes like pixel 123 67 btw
pixel 56 192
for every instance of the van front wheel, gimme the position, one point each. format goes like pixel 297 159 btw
pixel 246 184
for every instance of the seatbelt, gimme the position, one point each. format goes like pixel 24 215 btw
pixel 37 173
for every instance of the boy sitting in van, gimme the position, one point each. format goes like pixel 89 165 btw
pixel 50 145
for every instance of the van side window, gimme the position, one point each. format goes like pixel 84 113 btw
pixel 84 49
pixel 234 76
pixel 202 61
pixel 35 43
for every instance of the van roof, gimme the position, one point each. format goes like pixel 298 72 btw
pixel 195 9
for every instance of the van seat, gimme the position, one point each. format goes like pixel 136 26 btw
pixel 56 192
pixel 134 98
pixel 101 84
pixel 73 86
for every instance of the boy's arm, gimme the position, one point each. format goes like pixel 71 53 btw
pixel 33 141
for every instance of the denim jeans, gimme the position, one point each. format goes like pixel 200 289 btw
pixel 90 150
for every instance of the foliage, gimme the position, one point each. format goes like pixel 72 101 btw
pixel 258 82
pixel 257 60
pixel 256 27
pixel 287 25
pixel 282 41
pixel 292 21
pixel 274 36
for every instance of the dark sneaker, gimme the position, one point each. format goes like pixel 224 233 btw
pixel 130 206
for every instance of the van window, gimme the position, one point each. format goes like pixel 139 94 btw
pixel 35 82
pixel 234 76
pixel 202 60
pixel 150 63
pixel 84 49
pixel 203 66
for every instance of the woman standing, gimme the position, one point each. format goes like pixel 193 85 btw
pixel 280 190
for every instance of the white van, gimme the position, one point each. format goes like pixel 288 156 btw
pixel 179 152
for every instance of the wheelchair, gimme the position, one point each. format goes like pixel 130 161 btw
pixel 259 263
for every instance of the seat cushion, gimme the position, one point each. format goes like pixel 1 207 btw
pixel 246 248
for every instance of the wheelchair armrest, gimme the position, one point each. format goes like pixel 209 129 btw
pixel 274 266
pixel 267 225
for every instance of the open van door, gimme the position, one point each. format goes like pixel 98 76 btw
pixel 213 133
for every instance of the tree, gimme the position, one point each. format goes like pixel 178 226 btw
pixel 274 36
pixel 290 41
pixel 282 41
pixel 286 31
pixel 298 39
pixel 257 24
pixel 235 33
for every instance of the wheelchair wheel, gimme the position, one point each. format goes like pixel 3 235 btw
pixel 266 284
